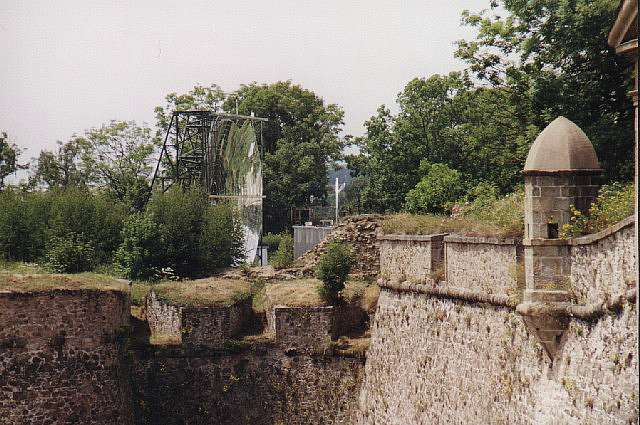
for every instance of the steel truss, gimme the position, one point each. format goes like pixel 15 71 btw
pixel 191 153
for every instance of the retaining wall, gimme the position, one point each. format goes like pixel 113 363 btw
pixel 303 329
pixel 262 386
pixel 458 352
pixel 210 326
pixel 61 358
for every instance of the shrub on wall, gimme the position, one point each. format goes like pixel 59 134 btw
pixel 333 269
pixel 140 255
pixel 284 255
pixel 614 203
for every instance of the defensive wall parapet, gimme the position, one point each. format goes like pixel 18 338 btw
pixel 61 357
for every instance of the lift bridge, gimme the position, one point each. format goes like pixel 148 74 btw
pixel 222 154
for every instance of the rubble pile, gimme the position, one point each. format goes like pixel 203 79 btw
pixel 358 231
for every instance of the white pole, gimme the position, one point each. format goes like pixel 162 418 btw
pixel 337 192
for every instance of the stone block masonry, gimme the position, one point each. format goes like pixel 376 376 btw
pixel 488 265
pixel 206 326
pixel 417 256
pixel 61 358
pixel 261 386
pixel 448 361
pixel 303 329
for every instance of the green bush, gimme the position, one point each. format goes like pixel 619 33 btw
pixel 284 255
pixel 180 233
pixel 140 255
pixel 272 241
pixel 614 203
pixel 436 191
pixel 221 238
pixel 23 225
pixel 88 216
pixel 70 254
pixel 333 269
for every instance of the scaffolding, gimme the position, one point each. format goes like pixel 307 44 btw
pixel 222 154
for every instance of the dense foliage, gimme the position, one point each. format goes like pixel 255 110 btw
pixel 72 229
pixel 614 203
pixel 181 233
pixel 284 254
pixel 436 191
pixel 532 61
pixel 333 269
pixel 9 153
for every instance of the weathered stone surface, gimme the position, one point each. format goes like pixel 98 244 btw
pixel 415 256
pixel 489 266
pixel 451 362
pixel 164 319
pixel 258 388
pixel 61 358
pixel 605 266
pixel 303 329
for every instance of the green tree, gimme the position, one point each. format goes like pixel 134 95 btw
pixel 120 157
pixel 333 269
pixel 62 168
pixel 300 139
pixel 9 154
pixel 552 57
pixel 436 191
pixel 203 98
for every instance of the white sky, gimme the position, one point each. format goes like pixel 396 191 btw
pixel 71 65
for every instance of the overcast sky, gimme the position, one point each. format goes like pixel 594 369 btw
pixel 71 65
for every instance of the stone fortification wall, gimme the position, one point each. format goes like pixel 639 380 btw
pixel 461 353
pixel 213 326
pixel 262 386
pixel 164 319
pixel 61 359
pixel 485 264
pixel 303 329
pixel 210 326
pixel 417 256
pixel 603 263
pixel 442 360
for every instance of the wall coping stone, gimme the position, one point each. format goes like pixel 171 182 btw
pixel 595 237
pixel 408 237
pixel 305 308
pixel 492 240
pixel 582 240
pixel 443 291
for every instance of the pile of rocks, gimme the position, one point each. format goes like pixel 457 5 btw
pixel 358 231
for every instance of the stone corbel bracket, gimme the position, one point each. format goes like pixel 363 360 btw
pixel 550 316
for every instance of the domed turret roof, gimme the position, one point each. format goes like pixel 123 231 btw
pixel 562 146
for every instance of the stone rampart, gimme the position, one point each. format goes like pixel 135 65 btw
pixel 303 329
pixel 207 326
pixel 450 360
pixel 261 386
pixel 461 352
pixel 603 263
pixel 417 256
pixel 485 264
pixel 61 358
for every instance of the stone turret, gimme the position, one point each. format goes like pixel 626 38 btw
pixel 560 172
